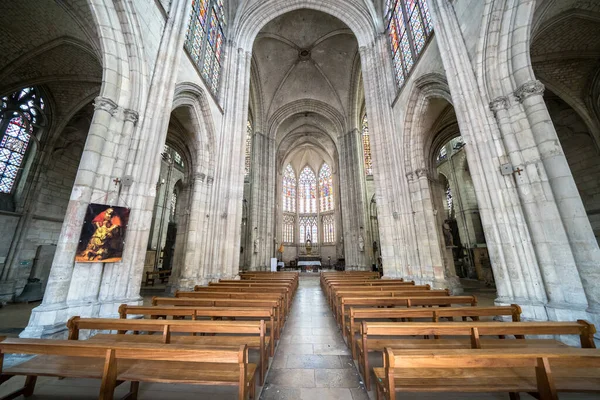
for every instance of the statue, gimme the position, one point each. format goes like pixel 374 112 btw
pixel 448 238
pixel 256 242
pixel 361 243
pixel 308 244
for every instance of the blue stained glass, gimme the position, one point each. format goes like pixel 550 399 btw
pixel 409 27
pixel 205 43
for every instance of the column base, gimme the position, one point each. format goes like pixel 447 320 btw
pixel 49 321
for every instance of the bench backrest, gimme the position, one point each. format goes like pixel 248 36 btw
pixel 476 329
pixel 236 312
pixel 514 311
pixel 214 302
pixel 409 301
pixel 77 324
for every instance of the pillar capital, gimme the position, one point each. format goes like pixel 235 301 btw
pixel 529 89
pixel 499 103
pixel 105 104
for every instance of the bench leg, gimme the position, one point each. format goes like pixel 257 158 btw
pixel 133 391
pixel 25 391
pixel 514 396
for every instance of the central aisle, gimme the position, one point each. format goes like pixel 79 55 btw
pixel 312 360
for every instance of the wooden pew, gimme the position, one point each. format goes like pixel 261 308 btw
pixel 471 333
pixel 382 291
pixel 292 284
pixel 340 302
pixel 253 333
pixel 285 292
pixel 441 301
pixel 541 372
pixel 236 295
pixel 134 362
pixel 195 313
pixel 434 314
pixel 343 285
pixel 189 302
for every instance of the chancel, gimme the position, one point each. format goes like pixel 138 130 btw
pixel 275 199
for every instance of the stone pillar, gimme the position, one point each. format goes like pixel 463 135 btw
pixel 353 196
pixel 517 272
pixel 262 201
pixel 573 218
pixel 396 225
pixel 114 148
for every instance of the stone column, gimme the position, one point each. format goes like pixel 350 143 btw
pixel 573 216
pixel 262 201
pixel 353 201
pixel 517 272
pixel 114 147
pixel 396 225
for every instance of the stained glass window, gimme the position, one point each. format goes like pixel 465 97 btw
pixel 248 148
pixel 308 228
pixel 288 228
pixel 449 201
pixel 173 205
pixel 20 113
pixel 409 26
pixel 326 188
pixel 205 38
pixel 366 139
pixel 289 190
pixel 329 228
pixel 307 188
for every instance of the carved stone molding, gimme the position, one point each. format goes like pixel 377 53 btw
pixel 200 177
pixel 499 104
pixel 410 176
pixel 104 104
pixel 528 89
pixel 421 173
pixel 210 180
pixel 131 116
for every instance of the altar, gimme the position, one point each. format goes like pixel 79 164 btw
pixel 309 265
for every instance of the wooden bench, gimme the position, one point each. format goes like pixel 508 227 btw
pixel 134 362
pixel 471 333
pixel 163 275
pixel 190 302
pixel 385 291
pixel 250 288
pixel 541 372
pixel 253 333
pixel 292 284
pixel 237 295
pixel 334 286
pixel 158 312
pixel 434 314
pixel 340 300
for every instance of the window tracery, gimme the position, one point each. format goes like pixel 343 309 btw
pixel 205 38
pixel 308 228
pixel 307 187
pixel 248 160
pixel 289 221
pixel 366 139
pixel 329 228
pixel 20 114
pixel 289 190
pixel 409 26
pixel 326 188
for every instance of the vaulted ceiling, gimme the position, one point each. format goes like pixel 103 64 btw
pixel 302 55
pixel 305 61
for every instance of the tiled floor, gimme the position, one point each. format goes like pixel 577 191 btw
pixel 312 362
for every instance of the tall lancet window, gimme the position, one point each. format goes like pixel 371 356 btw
pixel 307 187
pixel 289 190
pixel 366 140
pixel 409 26
pixel 205 39
pixel 326 188
pixel 20 114
pixel 248 160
